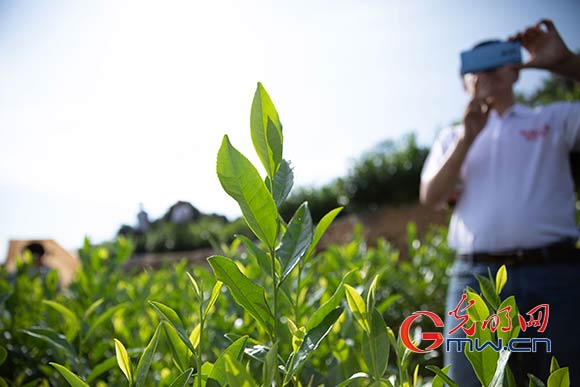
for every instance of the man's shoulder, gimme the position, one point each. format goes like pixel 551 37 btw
pixel 554 108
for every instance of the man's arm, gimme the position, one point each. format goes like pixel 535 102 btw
pixel 548 50
pixel 437 189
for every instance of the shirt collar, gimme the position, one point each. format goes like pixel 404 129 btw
pixel 516 110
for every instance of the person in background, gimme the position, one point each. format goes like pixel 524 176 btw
pixel 507 166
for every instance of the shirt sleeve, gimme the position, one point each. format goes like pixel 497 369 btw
pixel 571 120
pixel 438 152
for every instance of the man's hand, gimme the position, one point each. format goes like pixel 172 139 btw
pixel 475 118
pixel 548 50
pixel 546 47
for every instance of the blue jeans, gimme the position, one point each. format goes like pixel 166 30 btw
pixel 556 284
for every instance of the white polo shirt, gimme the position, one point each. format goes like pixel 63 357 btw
pixel 516 185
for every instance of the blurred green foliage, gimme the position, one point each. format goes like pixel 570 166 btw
pixel 112 303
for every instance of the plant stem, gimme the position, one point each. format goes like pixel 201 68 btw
pixel 276 317
pixel 297 300
pixel 201 324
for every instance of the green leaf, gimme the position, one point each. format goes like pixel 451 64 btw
pixel 93 307
pixel 442 374
pixel 321 228
pixel 237 374
pixel 484 362
pixel 535 381
pixel 266 130
pixel 376 346
pixel 72 321
pixel 559 378
pixel 478 311
pixel 357 308
pixel 123 361
pixel 488 289
pixel 54 338
pixel 283 182
pixel 181 380
pixel 101 368
pixel 195 336
pixel 515 325
pixel 215 292
pixel 179 350
pixel 498 376
pixel 195 286
pixel 3 354
pixel 242 182
pixel 259 254
pixel 358 375
pixel 500 279
pixel 437 380
pixel 101 319
pixel 71 378
pixel 295 241
pixel 270 367
pixel 146 358
pixel 311 341
pixel 371 296
pixel 554 366
pixel 246 293
pixel 219 370
pixel 175 321
pixel 332 303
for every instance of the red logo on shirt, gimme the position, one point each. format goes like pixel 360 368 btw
pixel 534 134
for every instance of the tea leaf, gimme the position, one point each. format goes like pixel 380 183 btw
pixel 266 130
pixel 559 378
pixel 478 311
pixel 442 374
pixel 376 346
pixel 488 290
pixel 181 380
pixel 329 305
pixel 179 350
pixel 195 336
pixel 505 336
pixel 437 380
pixel 259 254
pixel 311 341
pixel 242 182
pixel 106 316
pixel 270 367
pixel 72 321
pixel 358 375
pixel 235 351
pixel 237 374
pixel 195 286
pixel 483 362
pixel 295 241
pixel 357 307
pixel 554 366
pixel 71 378
pixel 123 361
pixel 175 321
pixel 56 339
pixel 321 228
pixel 283 182
pixel 215 292
pixel 246 293
pixel 500 279
pixel 535 381
pixel 146 358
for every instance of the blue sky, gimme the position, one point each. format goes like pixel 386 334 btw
pixel 106 104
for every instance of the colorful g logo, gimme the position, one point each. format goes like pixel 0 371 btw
pixel 404 332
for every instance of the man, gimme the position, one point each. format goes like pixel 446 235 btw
pixel 508 166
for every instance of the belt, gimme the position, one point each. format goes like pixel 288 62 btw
pixel 563 251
